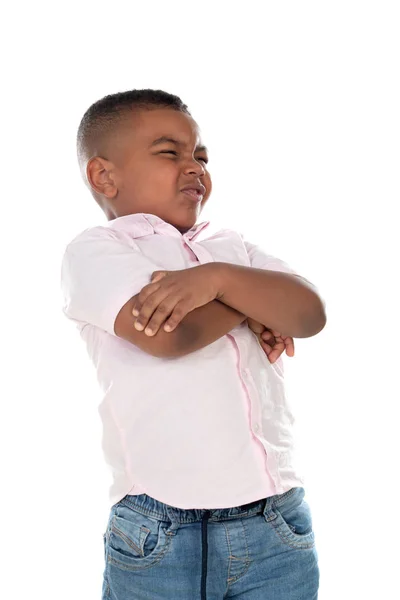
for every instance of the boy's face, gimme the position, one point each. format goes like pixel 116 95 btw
pixel 141 176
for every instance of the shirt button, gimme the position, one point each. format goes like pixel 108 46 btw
pixel 256 428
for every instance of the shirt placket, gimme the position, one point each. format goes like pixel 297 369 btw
pixel 244 373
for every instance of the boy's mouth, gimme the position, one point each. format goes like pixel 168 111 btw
pixel 195 189
pixel 194 194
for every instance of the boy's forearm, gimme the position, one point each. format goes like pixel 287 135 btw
pixel 205 325
pixel 280 301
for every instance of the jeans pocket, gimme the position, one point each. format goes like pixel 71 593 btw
pixel 293 519
pixel 136 540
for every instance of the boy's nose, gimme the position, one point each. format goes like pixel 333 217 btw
pixel 195 166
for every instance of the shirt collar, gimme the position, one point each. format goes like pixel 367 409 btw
pixel 142 224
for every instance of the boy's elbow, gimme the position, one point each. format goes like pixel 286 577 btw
pixel 174 344
pixel 314 321
pixel 168 344
pixel 187 333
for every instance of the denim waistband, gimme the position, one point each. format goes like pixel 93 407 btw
pixel 164 512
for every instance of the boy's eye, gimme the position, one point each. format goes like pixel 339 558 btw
pixel 176 154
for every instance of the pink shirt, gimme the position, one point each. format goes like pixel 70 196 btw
pixel 212 429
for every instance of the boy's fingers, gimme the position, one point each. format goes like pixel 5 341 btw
pixel 148 290
pixel 150 305
pixel 267 335
pixel 289 343
pixel 271 353
pixel 157 275
pixel 171 312
pixel 180 311
pixel 255 326
pixel 273 338
pixel 145 292
pixel 159 317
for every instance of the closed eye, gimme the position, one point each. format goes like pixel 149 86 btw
pixel 176 154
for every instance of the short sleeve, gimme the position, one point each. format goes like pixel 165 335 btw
pixel 260 260
pixel 99 274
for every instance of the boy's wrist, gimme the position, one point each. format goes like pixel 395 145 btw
pixel 218 275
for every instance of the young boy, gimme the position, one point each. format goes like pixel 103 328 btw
pixel 196 424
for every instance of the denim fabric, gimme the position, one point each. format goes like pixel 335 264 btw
pixel 261 551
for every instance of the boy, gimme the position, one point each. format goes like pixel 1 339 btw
pixel 196 425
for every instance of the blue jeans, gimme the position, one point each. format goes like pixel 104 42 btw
pixel 264 550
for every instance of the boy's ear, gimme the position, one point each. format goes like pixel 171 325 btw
pixel 101 176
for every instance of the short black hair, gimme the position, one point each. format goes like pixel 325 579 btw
pixel 104 116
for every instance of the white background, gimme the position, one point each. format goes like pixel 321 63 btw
pixel 298 103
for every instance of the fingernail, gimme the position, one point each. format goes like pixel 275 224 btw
pixel 138 326
pixel 148 331
pixel 135 312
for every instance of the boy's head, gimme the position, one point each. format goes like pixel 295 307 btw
pixel 128 171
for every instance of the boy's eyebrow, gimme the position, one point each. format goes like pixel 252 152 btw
pixel 165 138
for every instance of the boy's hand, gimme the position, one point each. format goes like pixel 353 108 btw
pixel 171 295
pixel 271 341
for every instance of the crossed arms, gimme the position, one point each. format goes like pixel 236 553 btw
pixel 282 301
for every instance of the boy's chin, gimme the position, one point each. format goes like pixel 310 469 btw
pixel 182 229
pixel 183 224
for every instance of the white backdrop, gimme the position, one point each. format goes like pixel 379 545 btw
pixel 298 103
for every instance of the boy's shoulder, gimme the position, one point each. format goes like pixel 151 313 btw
pixel 95 232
